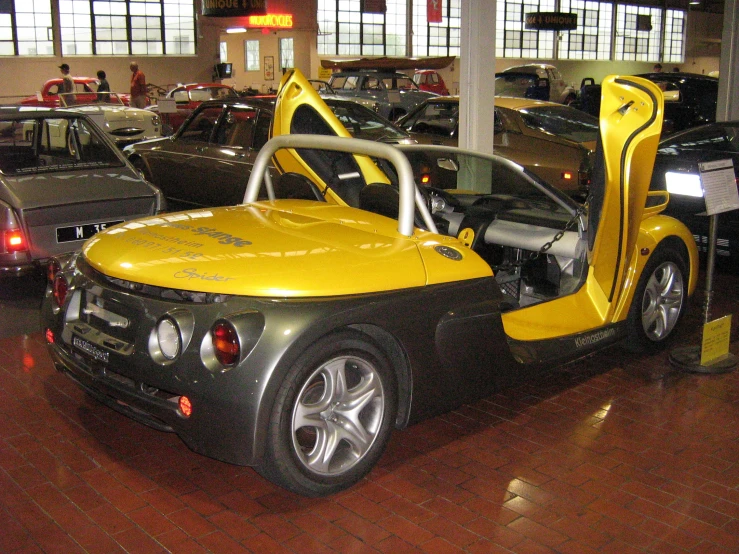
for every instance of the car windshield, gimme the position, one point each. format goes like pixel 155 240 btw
pixel 436 118
pixel 716 138
pixel 399 83
pixel 201 94
pixel 100 98
pixel 562 121
pixel 46 145
pixel 474 174
pixel 515 84
pixel 363 123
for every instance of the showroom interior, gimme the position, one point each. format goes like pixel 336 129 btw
pixel 614 452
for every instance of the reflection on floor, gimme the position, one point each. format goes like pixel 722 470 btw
pixel 612 454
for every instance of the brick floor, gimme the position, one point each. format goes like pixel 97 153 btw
pixel 611 454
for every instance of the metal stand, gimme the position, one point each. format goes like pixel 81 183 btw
pixel 688 358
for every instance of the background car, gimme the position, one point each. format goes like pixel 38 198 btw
pixel 560 91
pixel 61 181
pixel 187 98
pixel 208 161
pixel 690 99
pixel 85 90
pixel 552 141
pixel 123 124
pixel 430 80
pixel 676 170
pixel 389 93
pixel 522 85
pixel 294 334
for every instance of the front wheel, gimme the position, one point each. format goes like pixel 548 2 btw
pixel 659 301
pixel 332 416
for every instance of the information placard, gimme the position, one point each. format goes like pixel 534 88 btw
pixel 167 105
pixel 719 186
pixel 716 335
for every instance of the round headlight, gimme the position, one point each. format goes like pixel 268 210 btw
pixel 168 337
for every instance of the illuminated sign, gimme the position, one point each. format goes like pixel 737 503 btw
pixel 551 21
pixel 281 20
pixel 230 8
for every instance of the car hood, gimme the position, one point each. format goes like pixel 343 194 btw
pixel 115 113
pixel 283 248
pixel 39 190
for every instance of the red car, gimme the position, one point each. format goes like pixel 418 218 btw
pixel 85 89
pixel 430 80
pixel 187 98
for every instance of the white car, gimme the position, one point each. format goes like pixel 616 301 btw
pixel 559 90
pixel 124 124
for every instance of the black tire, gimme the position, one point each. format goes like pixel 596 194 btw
pixel 322 440
pixel 659 302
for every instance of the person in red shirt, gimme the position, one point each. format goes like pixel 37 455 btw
pixel 138 86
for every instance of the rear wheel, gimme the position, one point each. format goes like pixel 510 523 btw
pixel 659 301
pixel 332 416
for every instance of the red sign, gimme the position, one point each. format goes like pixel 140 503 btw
pixel 433 11
pixel 279 20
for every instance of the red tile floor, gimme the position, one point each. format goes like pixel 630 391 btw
pixel 612 454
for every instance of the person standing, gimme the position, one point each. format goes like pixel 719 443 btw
pixel 138 86
pixel 67 87
pixel 103 87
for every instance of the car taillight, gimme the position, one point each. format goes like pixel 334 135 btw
pixel 226 345
pixel 185 406
pixel 52 269
pixel 60 290
pixel 14 241
pixel 583 177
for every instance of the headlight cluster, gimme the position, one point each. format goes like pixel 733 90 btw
pixel 226 343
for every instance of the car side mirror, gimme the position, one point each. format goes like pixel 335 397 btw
pixel 448 164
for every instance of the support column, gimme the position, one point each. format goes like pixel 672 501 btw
pixel 477 75
pixel 728 85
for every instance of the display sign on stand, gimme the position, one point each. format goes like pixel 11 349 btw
pixel 167 106
pixel 712 356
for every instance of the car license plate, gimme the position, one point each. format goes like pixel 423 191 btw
pixel 82 232
pixel 90 349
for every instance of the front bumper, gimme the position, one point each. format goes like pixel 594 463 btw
pixel 119 371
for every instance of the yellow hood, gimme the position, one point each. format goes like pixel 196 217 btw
pixel 296 250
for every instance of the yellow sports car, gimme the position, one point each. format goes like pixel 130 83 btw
pixel 341 300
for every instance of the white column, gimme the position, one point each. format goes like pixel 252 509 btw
pixel 728 85
pixel 477 75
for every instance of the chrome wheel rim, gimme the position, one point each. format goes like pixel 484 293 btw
pixel 663 299
pixel 337 415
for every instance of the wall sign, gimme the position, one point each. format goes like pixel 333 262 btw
pixel 277 20
pixel 551 21
pixel 231 8
pixel 372 6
